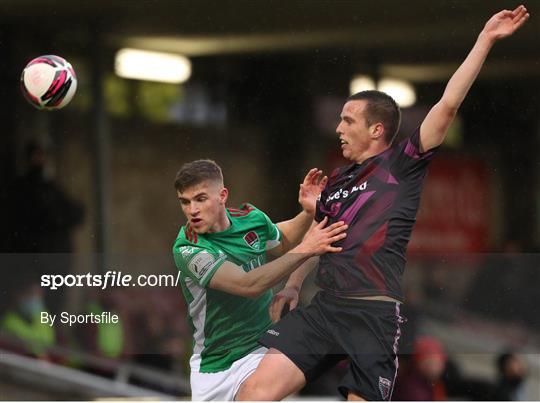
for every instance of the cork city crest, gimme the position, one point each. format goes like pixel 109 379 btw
pixel 252 239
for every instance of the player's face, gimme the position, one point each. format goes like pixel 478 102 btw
pixel 204 206
pixel 353 130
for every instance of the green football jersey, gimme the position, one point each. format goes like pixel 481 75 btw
pixel 225 327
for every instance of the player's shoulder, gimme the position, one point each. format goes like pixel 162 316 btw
pixel 245 210
pixel 408 140
pixel 188 243
pixel 188 251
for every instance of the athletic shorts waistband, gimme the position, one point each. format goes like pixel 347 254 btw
pixel 368 303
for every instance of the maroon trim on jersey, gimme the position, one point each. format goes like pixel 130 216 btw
pixel 385 176
pixel 413 150
pixel 245 209
pixel 191 235
pixel 379 172
pixel 238 213
pixel 334 209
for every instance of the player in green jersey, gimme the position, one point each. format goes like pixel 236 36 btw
pixel 221 255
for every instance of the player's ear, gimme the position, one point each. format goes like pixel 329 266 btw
pixel 376 131
pixel 223 195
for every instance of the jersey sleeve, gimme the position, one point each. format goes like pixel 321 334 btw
pixel 273 234
pixel 200 264
pixel 410 161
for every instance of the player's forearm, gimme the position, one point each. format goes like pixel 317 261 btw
pixel 293 230
pixel 440 117
pixel 296 279
pixel 459 85
pixel 258 280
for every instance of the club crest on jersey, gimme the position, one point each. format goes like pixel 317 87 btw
pixel 385 386
pixel 252 239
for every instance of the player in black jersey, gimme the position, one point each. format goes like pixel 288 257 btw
pixel 357 312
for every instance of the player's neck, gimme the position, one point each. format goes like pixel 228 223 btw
pixel 372 151
pixel 222 223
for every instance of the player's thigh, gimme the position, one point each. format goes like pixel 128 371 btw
pixel 223 385
pixel 372 347
pixel 276 377
pixel 351 396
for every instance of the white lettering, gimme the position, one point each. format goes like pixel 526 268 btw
pixel 103 317
pixel 346 193
pixel 47 319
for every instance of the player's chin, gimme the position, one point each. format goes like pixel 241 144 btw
pixel 200 229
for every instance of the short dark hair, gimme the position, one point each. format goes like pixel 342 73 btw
pixel 196 172
pixel 382 108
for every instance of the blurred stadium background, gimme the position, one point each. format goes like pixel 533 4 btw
pixel 266 86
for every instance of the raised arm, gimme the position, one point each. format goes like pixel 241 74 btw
pixel 293 230
pixel 233 279
pixel 435 125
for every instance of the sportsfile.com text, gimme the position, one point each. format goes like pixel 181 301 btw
pixel 109 279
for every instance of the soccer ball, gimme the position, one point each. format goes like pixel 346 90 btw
pixel 48 82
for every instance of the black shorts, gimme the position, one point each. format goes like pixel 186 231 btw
pixel 330 329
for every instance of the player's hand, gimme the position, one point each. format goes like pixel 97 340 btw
pixel 319 239
pixel 287 296
pixel 505 23
pixel 310 190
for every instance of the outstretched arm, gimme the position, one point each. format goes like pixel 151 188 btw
pixel 232 279
pixel 435 125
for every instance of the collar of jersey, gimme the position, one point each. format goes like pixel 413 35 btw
pixel 367 160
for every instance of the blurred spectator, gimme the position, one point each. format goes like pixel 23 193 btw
pixel 421 379
pixel 159 347
pixel 512 371
pixel 42 220
pixel 102 339
pixel 22 322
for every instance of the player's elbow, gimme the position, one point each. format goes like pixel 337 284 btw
pixel 448 108
pixel 277 251
pixel 250 289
